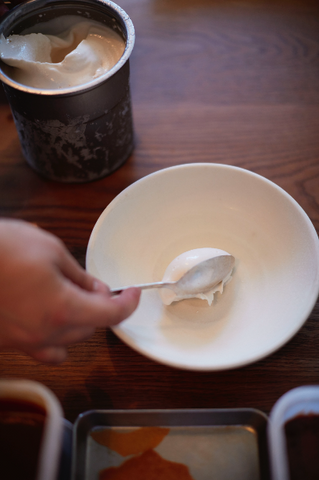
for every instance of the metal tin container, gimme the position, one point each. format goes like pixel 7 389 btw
pixel 50 447
pixel 54 456
pixel 80 133
pixel 300 401
pixel 208 443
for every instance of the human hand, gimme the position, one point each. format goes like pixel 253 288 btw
pixel 47 301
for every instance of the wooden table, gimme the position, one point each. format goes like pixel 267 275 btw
pixel 232 82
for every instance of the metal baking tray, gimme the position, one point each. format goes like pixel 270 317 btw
pixel 205 444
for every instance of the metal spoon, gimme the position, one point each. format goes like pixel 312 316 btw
pixel 199 279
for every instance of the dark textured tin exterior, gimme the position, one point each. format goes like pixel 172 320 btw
pixel 82 133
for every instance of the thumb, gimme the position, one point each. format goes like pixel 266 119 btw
pixel 98 308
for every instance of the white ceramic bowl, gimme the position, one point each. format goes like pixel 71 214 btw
pixel 276 278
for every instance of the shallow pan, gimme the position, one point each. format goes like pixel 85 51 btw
pixel 188 444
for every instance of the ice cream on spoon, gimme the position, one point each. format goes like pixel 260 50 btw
pixel 210 270
pixel 198 273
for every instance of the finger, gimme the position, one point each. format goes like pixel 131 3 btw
pixel 71 335
pixel 97 309
pixel 49 354
pixel 69 267
pixel 126 302
pixel 100 287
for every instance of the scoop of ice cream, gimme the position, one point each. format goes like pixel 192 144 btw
pixel 79 54
pixel 184 262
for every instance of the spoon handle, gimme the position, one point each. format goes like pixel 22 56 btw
pixel 144 286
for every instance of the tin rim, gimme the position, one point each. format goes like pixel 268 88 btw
pixel 129 44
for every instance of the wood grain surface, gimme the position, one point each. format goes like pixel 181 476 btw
pixel 231 82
